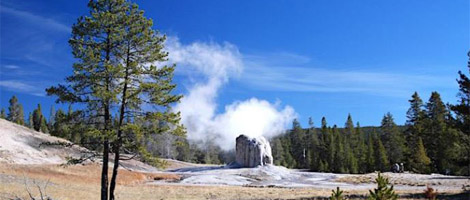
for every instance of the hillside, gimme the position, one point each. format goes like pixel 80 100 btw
pixel 21 145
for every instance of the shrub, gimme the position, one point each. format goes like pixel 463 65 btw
pixel 430 193
pixel 382 192
pixel 336 195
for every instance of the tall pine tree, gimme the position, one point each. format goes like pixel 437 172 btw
pixel 414 131
pixel 15 111
pixel 381 160
pixel 420 160
pixel 143 82
pixel 117 53
pixel 370 158
pixel 393 140
pixel 39 122
pixel 438 138
pixel 462 112
pixel 95 41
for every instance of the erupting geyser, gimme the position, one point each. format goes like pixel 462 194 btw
pixel 252 152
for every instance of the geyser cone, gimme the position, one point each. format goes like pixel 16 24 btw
pixel 252 152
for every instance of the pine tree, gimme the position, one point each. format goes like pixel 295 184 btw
pixel 415 115
pixel 381 160
pixel 60 128
pixel 297 137
pixel 420 160
pixel 288 160
pixel 382 192
pixel 15 111
pixel 414 125
pixel 392 139
pixel 324 125
pixel 361 150
pixel 337 195
pixel 323 167
pixel 351 160
pixel 351 145
pixel 184 151
pixel 20 115
pixel 310 123
pixel 370 159
pixel 95 40
pixel 277 151
pixel 339 161
pixel 349 125
pixel 331 149
pixel 30 121
pixel 462 112
pixel 438 138
pixel 323 147
pixel 314 151
pixel 3 114
pixel 118 50
pixel 38 120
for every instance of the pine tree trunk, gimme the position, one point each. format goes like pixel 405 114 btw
pixel 112 186
pixel 107 118
pixel 118 143
pixel 104 171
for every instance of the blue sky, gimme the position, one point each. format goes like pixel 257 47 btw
pixel 322 58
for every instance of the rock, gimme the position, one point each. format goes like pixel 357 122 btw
pixel 253 152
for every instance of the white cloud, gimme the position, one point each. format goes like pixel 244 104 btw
pixel 285 75
pixel 35 38
pixel 36 19
pixel 11 67
pixel 217 64
pixel 14 85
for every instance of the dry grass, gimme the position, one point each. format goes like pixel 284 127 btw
pixel 83 182
pixel 71 182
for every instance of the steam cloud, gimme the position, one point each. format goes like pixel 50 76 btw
pixel 216 64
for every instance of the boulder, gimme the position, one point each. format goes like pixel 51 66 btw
pixel 253 152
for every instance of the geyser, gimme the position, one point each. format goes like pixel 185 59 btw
pixel 253 152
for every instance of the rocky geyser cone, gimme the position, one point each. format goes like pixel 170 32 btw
pixel 253 152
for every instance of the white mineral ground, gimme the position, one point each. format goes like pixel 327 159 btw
pixel 277 176
pixel 251 152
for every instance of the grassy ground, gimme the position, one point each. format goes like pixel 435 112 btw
pixel 83 182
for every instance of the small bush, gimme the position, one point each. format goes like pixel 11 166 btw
pixel 430 193
pixel 382 192
pixel 336 195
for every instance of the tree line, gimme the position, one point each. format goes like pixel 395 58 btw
pixel 434 139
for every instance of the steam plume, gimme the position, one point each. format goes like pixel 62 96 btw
pixel 216 64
